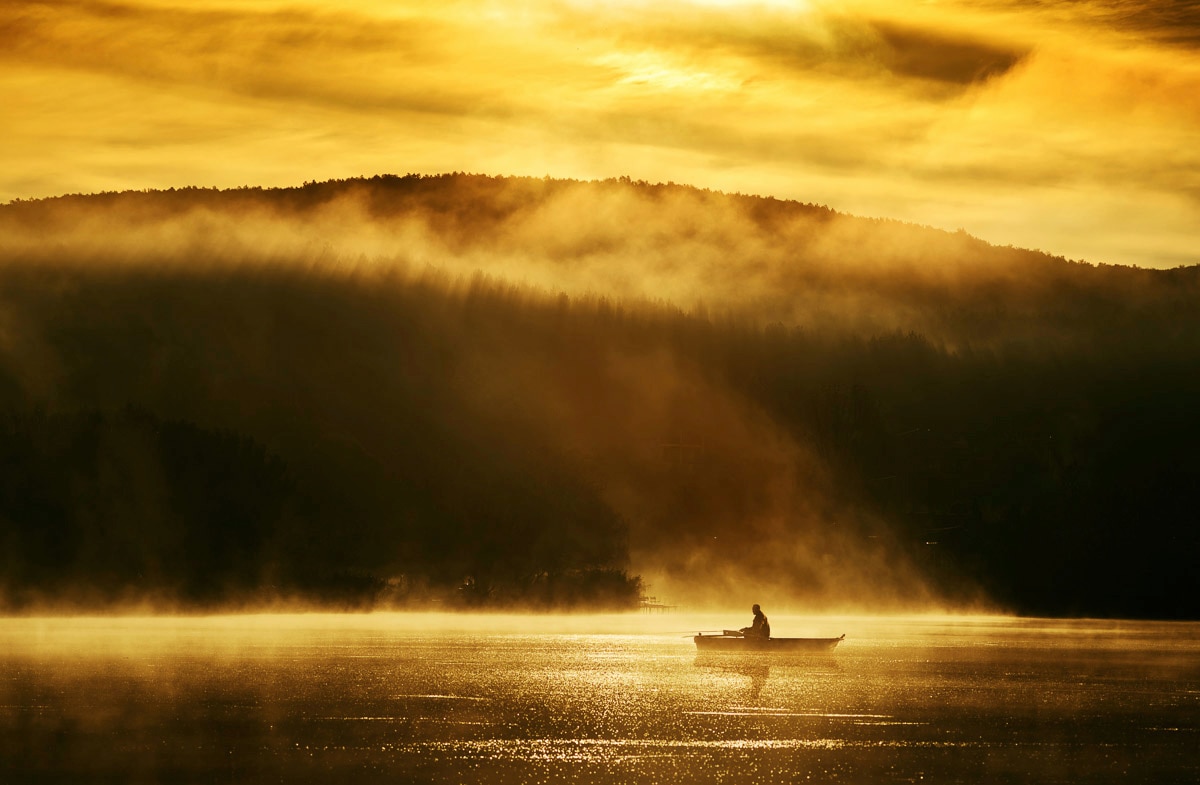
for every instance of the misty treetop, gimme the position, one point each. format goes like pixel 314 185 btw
pixel 515 391
pixel 748 257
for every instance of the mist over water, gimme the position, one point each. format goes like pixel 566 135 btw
pixel 428 698
pixel 421 401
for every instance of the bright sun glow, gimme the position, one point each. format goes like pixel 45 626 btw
pixel 747 5
pixel 785 5
pixel 651 70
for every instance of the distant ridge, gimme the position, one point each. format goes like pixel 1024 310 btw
pixel 749 256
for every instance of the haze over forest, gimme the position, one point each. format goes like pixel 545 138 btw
pixel 475 391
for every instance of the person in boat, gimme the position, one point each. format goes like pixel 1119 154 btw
pixel 760 627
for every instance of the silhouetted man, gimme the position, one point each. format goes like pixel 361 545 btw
pixel 760 627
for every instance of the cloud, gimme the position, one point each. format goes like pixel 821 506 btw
pixel 325 58
pixel 836 44
pixel 936 114
pixel 931 54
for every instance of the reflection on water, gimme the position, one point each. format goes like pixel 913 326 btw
pixel 754 668
pixel 386 699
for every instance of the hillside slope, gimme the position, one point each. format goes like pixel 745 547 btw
pixel 492 391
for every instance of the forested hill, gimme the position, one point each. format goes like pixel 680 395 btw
pixel 474 391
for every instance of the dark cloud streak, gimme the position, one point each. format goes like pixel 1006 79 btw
pixel 1167 21
pixel 845 46
pixel 940 56
pixel 286 56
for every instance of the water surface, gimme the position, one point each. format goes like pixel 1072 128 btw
pixel 425 698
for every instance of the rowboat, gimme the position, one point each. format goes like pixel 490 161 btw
pixel 732 641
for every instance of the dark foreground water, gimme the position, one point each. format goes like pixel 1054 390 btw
pixel 400 699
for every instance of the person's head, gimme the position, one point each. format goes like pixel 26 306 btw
pixel 756 609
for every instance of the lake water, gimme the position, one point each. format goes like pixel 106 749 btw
pixel 429 698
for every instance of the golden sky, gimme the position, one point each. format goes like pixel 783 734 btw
pixel 1071 127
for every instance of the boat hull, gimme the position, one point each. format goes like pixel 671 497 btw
pixel 738 643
